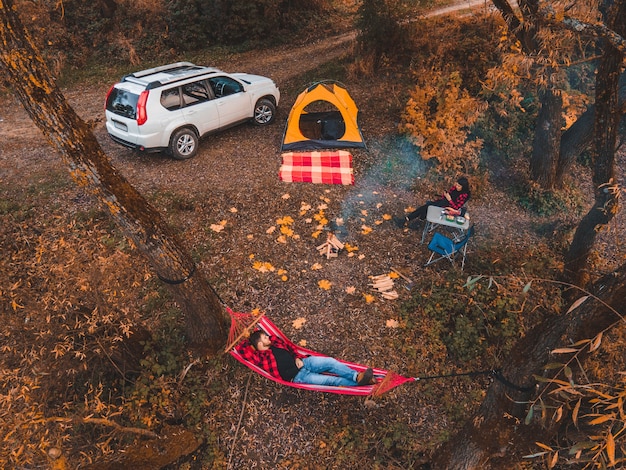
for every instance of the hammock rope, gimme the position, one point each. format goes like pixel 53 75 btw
pixel 492 373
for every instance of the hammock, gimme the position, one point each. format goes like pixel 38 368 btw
pixel 389 379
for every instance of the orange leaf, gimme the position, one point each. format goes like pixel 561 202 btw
pixel 610 448
pixel 324 284
pixel 577 303
pixel 595 344
pixel 369 298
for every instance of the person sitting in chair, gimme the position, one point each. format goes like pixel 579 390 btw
pixel 454 199
pixel 281 361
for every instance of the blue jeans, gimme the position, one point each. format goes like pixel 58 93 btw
pixel 314 366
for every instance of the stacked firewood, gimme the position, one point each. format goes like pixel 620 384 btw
pixel 331 247
pixel 384 285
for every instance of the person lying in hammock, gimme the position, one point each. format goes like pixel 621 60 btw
pixel 280 360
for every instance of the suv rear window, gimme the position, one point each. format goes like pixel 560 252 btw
pixel 123 103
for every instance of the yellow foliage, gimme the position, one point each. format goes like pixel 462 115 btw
pixel 438 119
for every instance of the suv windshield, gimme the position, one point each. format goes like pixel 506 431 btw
pixel 123 103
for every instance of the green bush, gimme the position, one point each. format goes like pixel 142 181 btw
pixel 545 203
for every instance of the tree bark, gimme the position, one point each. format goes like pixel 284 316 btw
pixel 495 437
pixel 29 77
pixel 547 140
pixel 605 131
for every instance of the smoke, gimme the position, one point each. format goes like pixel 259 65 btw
pixel 389 167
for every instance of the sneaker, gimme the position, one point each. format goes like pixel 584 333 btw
pixel 365 377
pixel 400 222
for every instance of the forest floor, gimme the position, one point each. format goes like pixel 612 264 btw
pixel 233 183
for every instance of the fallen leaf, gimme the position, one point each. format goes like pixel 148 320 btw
pixel 298 322
pixel 251 256
pixel 316 234
pixel 350 290
pixel 234 210
pixel 361 256
pixel 387 216
pixel 308 220
pixel 392 324
pixel 324 284
pixel 350 248
pixel 285 230
pixel 270 230
pixel 378 222
pixel 284 278
pixel 287 220
pixel 379 205
pixel 393 275
pixel 281 239
pixel 365 229
pixel 316 266
pixel 217 227
pixel 286 196
pixel 302 342
pixel 250 237
pixel 322 207
pixel 263 267
pixel 369 298
pixel 364 212
pixel 339 221
pixel 304 207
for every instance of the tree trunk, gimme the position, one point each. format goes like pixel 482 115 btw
pixel 605 131
pixel 579 136
pixel 495 437
pixel 29 77
pixel 547 140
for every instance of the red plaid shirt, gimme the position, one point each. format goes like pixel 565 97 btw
pixel 265 359
pixel 458 198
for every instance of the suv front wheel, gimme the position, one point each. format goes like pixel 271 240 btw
pixel 264 112
pixel 183 144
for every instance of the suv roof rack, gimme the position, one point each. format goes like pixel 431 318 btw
pixel 168 74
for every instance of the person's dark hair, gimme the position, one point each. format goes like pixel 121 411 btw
pixel 255 337
pixel 465 188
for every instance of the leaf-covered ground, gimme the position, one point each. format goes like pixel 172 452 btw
pixel 72 289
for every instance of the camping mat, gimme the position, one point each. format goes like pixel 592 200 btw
pixel 328 167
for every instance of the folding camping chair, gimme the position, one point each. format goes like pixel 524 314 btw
pixel 448 248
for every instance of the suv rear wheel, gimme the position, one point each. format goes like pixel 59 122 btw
pixel 184 144
pixel 264 112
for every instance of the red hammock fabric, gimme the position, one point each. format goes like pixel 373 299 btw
pixel 392 381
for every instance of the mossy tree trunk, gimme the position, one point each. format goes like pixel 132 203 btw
pixel 28 76
pixel 605 131
pixel 496 436
pixel 547 139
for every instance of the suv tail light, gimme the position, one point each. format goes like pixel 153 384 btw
pixel 142 115
pixel 106 100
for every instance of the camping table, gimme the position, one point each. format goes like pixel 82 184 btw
pixel 435 217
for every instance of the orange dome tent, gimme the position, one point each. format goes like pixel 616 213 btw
pixel 324 116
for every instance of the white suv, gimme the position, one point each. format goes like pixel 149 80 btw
pixel 171 107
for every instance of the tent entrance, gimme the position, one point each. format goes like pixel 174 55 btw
pixel 322 125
